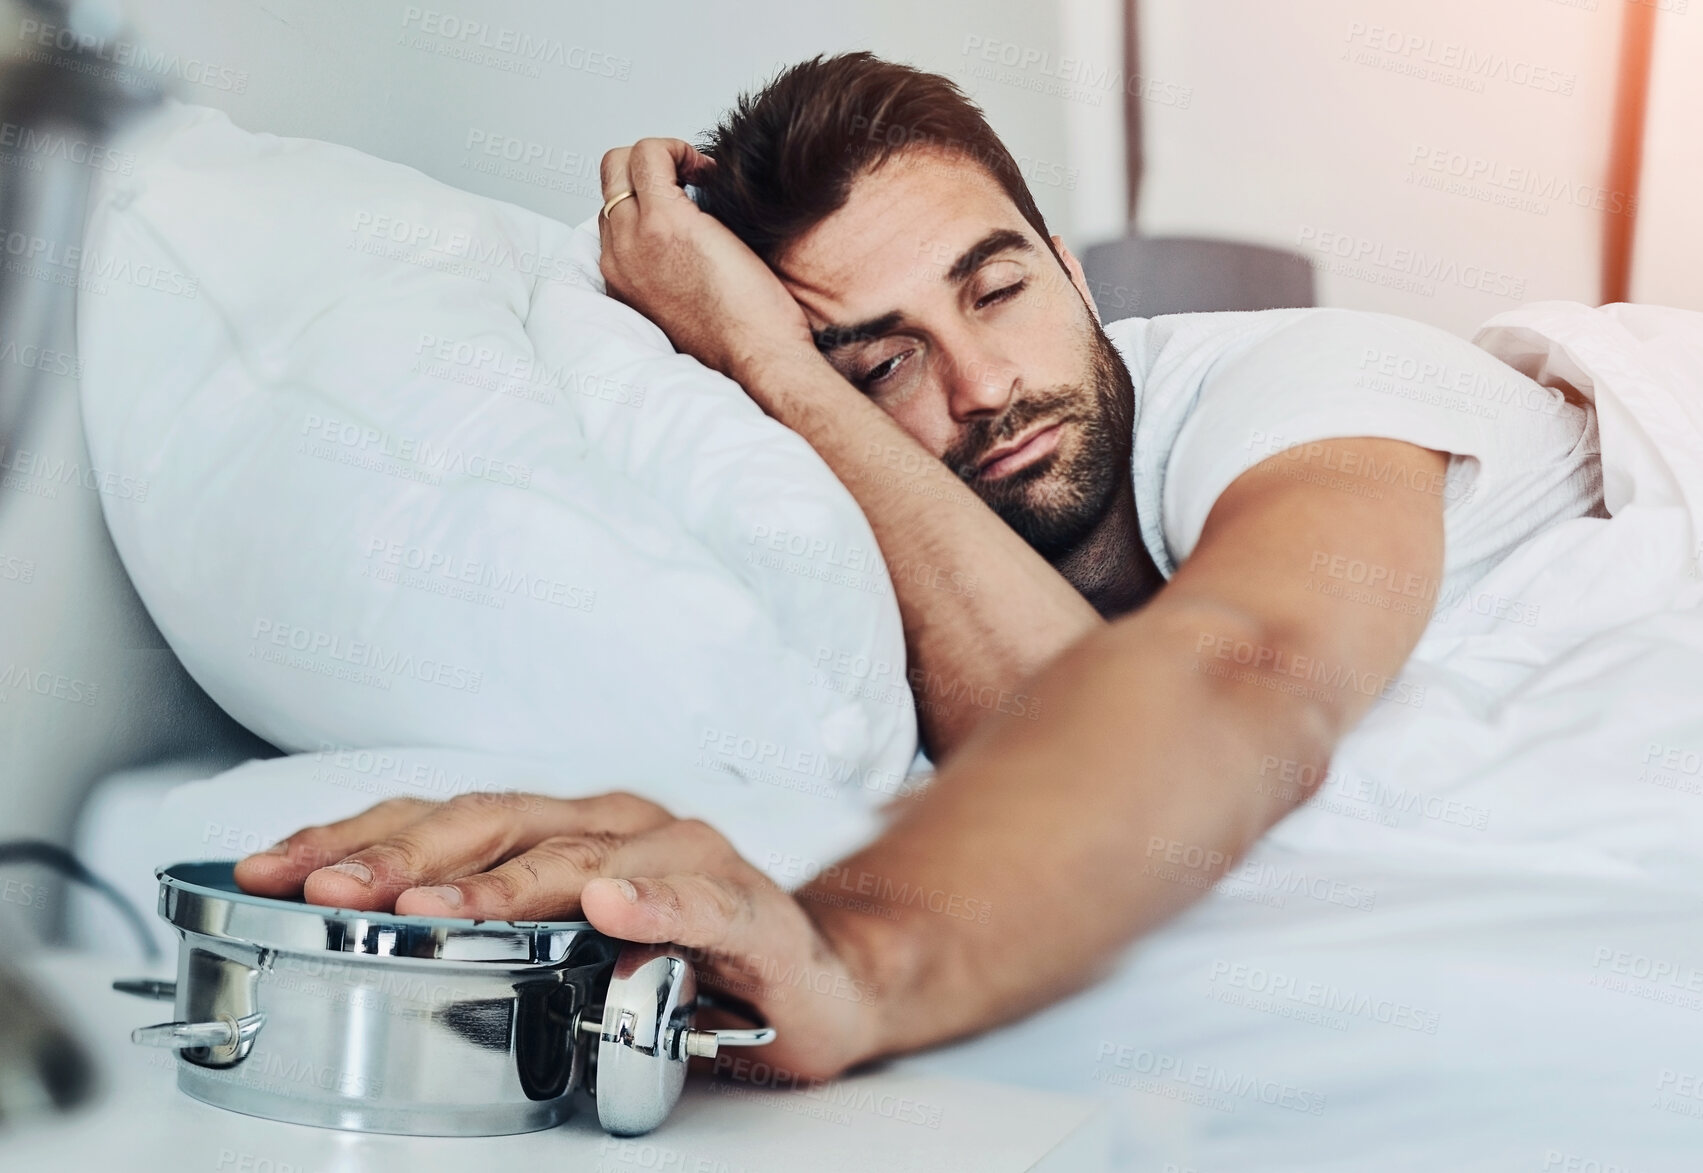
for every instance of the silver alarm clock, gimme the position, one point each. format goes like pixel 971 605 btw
pixel 421 1025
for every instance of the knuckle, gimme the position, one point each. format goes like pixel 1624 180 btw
pixel 499 886
pixel 313 845
pixel 728 905
pixel 468 800
pixel 635 806
pixel 702 837
pixel 316 836
pixel 587 853
pixel 401 853
pixel 402 804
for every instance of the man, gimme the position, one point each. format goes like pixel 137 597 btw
pixel 1154 569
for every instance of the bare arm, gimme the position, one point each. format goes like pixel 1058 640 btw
pixel 685 270
pixel 967 653
pixel 1152 732
pixel 1146 773
pixel 1151 768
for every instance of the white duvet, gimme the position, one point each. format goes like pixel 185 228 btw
pixel 1480 945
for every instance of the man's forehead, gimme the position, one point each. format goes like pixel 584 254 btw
pixel 904 224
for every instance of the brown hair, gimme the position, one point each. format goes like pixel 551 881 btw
pixel 786 156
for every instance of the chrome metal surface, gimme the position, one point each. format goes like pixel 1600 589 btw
pixel 645 1038
pixel 147 988
pixel 419 1025
pixel 704 1044
pixel 650 998
pixel 373 1022
pixel 202 898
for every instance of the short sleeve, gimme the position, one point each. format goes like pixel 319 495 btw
pixel 1332 374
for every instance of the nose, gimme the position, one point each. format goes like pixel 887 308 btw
pixel 977 384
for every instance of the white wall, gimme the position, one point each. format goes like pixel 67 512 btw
pixel 398 80
pixel 394 79
pixel 1307 130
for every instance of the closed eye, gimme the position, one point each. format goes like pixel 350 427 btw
pixel 1004 294
pixel 881 370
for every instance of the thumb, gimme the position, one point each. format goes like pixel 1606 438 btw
pixel 693 909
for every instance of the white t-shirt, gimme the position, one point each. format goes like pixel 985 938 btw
pixel 1216 394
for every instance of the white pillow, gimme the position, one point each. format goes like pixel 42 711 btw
pixel 409 477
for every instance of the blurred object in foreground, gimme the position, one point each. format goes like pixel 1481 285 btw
pixel 42 1067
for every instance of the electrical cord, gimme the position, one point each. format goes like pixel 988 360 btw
pixel 51 855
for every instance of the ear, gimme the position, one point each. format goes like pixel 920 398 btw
pixel 1077 277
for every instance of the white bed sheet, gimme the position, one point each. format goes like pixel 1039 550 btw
pixel 1479 947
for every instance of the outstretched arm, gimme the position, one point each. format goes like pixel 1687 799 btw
pixel 1169 741
pixel 1165 743
pixel 1147 770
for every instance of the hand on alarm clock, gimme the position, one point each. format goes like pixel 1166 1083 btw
pixel 629 867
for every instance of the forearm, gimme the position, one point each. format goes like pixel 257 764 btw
pixel 1044 848
pixel 982 611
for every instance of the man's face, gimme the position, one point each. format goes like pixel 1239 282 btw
pixel 930 293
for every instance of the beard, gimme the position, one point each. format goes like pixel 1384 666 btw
pixel 1056 502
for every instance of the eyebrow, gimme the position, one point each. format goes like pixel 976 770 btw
pixel 1001 240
